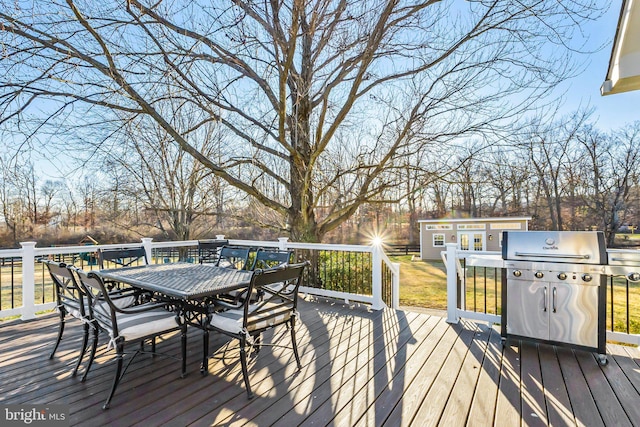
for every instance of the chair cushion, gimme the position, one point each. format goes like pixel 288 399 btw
pixel 231 320
pixel 137 325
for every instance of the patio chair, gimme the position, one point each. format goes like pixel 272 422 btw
pixel 70 301
pixel 266 259
pixel 133 324
pixel 209 250
pixel 233 257
pixel 247 321
pixel 122 257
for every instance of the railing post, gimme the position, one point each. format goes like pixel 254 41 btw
pixel 28 281
pixel 283 243
pixel 396 287
pixel 376 277
pixel 146 243
pixel 452 284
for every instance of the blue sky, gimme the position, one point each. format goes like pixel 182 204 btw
pixel 612 111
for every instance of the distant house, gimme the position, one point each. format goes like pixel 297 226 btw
pixel 471 234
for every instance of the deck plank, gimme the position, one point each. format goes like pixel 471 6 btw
pixel 532 402
pixel 585 410
pixel 610 408
pixel 483 405
pixel 392 355
pixel 427 338
pixel 406 409
pixel 360 367
pixel 555 391
pixel 456 411
pixel 508 407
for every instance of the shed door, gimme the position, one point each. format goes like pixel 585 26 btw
pixel 472 241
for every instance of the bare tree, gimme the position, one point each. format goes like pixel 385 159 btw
pixel 147 165
pixel 612 166
pixel 292 81
pixel 551 146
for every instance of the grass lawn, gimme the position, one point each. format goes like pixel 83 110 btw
pixel 422 283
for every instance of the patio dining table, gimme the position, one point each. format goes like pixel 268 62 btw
pixel 192 288
pixel 181 281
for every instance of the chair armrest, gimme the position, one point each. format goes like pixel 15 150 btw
pixel 140 308
pixel 227 305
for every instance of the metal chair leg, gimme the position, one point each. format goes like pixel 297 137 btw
pixel 205 352
pixel 245 370
pixel 92 355
pixel 256 344
pixel 183 342
pixel 85 340
pixel 116 380
pixel 60 331
pixel 294 343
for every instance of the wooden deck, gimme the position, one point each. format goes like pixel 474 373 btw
pixel 360 368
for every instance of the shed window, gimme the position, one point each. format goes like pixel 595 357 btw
pixel 438 240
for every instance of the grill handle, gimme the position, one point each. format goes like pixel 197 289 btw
pixel 544 299
pixel 568 256
pixel 623 259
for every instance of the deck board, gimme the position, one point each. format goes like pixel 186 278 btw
pixel 532 394
pixel 359 368
pixel 483 405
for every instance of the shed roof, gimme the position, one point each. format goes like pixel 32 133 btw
pixel 492 219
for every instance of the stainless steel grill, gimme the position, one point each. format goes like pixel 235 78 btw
pixel 554 288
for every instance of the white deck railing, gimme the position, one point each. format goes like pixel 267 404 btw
pixel 457 287
pixel 29 253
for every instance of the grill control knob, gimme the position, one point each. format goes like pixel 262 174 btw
pixel 517 273
pixel 562 276
pixel 539 274
pixel 587 277
pixel 634 277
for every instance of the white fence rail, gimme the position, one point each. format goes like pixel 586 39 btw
pixel 380 268
pixel 457 287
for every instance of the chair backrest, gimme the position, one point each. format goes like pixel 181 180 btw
pixel 280 296
pixel 233 257
pixel 69 294
pixel 209 250
pixel 266 259
pixel 122 257
pixel 99 303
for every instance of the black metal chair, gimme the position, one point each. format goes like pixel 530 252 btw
pixel 266 259
pixel 234 257
pixel 122 257
pixel 70 301
pixel 237 258
pixel 247 321
pixel 133 324
pixel 209 250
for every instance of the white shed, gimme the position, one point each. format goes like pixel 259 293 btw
pixel 471 234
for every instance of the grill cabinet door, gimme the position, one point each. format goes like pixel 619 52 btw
pixel 526 314
pixel 575 318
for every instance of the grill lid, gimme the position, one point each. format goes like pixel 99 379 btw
pixel 576 247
